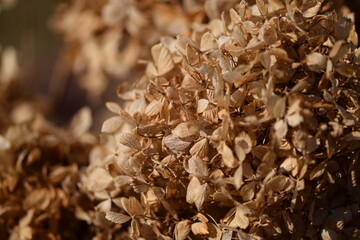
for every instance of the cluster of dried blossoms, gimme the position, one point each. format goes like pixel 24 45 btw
pixel 39 175
pixel 247 128
pixel 114 34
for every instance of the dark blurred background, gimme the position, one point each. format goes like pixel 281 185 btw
pixel 26 27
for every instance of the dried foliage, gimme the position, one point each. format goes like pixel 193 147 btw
pixel 116 34
pixel 39 175
pixel 245 127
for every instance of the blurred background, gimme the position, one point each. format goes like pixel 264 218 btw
pixel 31 33
pixel 27 31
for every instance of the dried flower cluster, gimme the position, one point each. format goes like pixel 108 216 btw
pixel 244 126
pixel 39 175
pixel 116 34
pixel 247 127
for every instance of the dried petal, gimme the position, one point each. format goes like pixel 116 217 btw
pixel 117 217
pixel 130 141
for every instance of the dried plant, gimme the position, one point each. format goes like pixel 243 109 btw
pixel 246 127
pixel 39 175
pixel 116 34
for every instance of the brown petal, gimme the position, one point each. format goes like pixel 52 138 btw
pixel 130 141
pixel 182 230
pixel 199 228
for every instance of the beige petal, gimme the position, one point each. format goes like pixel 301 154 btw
pixel 126 117
pixel 247 191
pixel 244 141
pixel 109 142
pixel 281 129
pixel 311 12
pixel 153 108
pixel 113 107
pixel 38 198
pixel 197 167
pixel 129 140
pixel 280 183
pixel 276 106
pixel 162 58
pixel 262 7
pixel 4 144
pixel 104 206
pixel 339 50
pixel 182 230
pixel 240 36
pixel 197 193
pixel 99 180
pixel 240 219
pixel 122 180
pixel 266 165
pixel 192 188
pixel 117 217
pixel 238 177
pixel 134 229
pixel 238 97
pixel 181 43
pixel 200 149
pixel 316 61
pixel 228 156
pixel 111 125
pixel 199 228
pixel 293 116
pixel 202 105
pixel 81 122
pixel 208 42
pixel 288 164
pixel 174 143
pixel 234 16
pixel 132 206
pixel 187 131
pixel 192 55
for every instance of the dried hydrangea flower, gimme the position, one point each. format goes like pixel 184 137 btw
pixel 116 34
pixel 40 169
pixel 246 127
